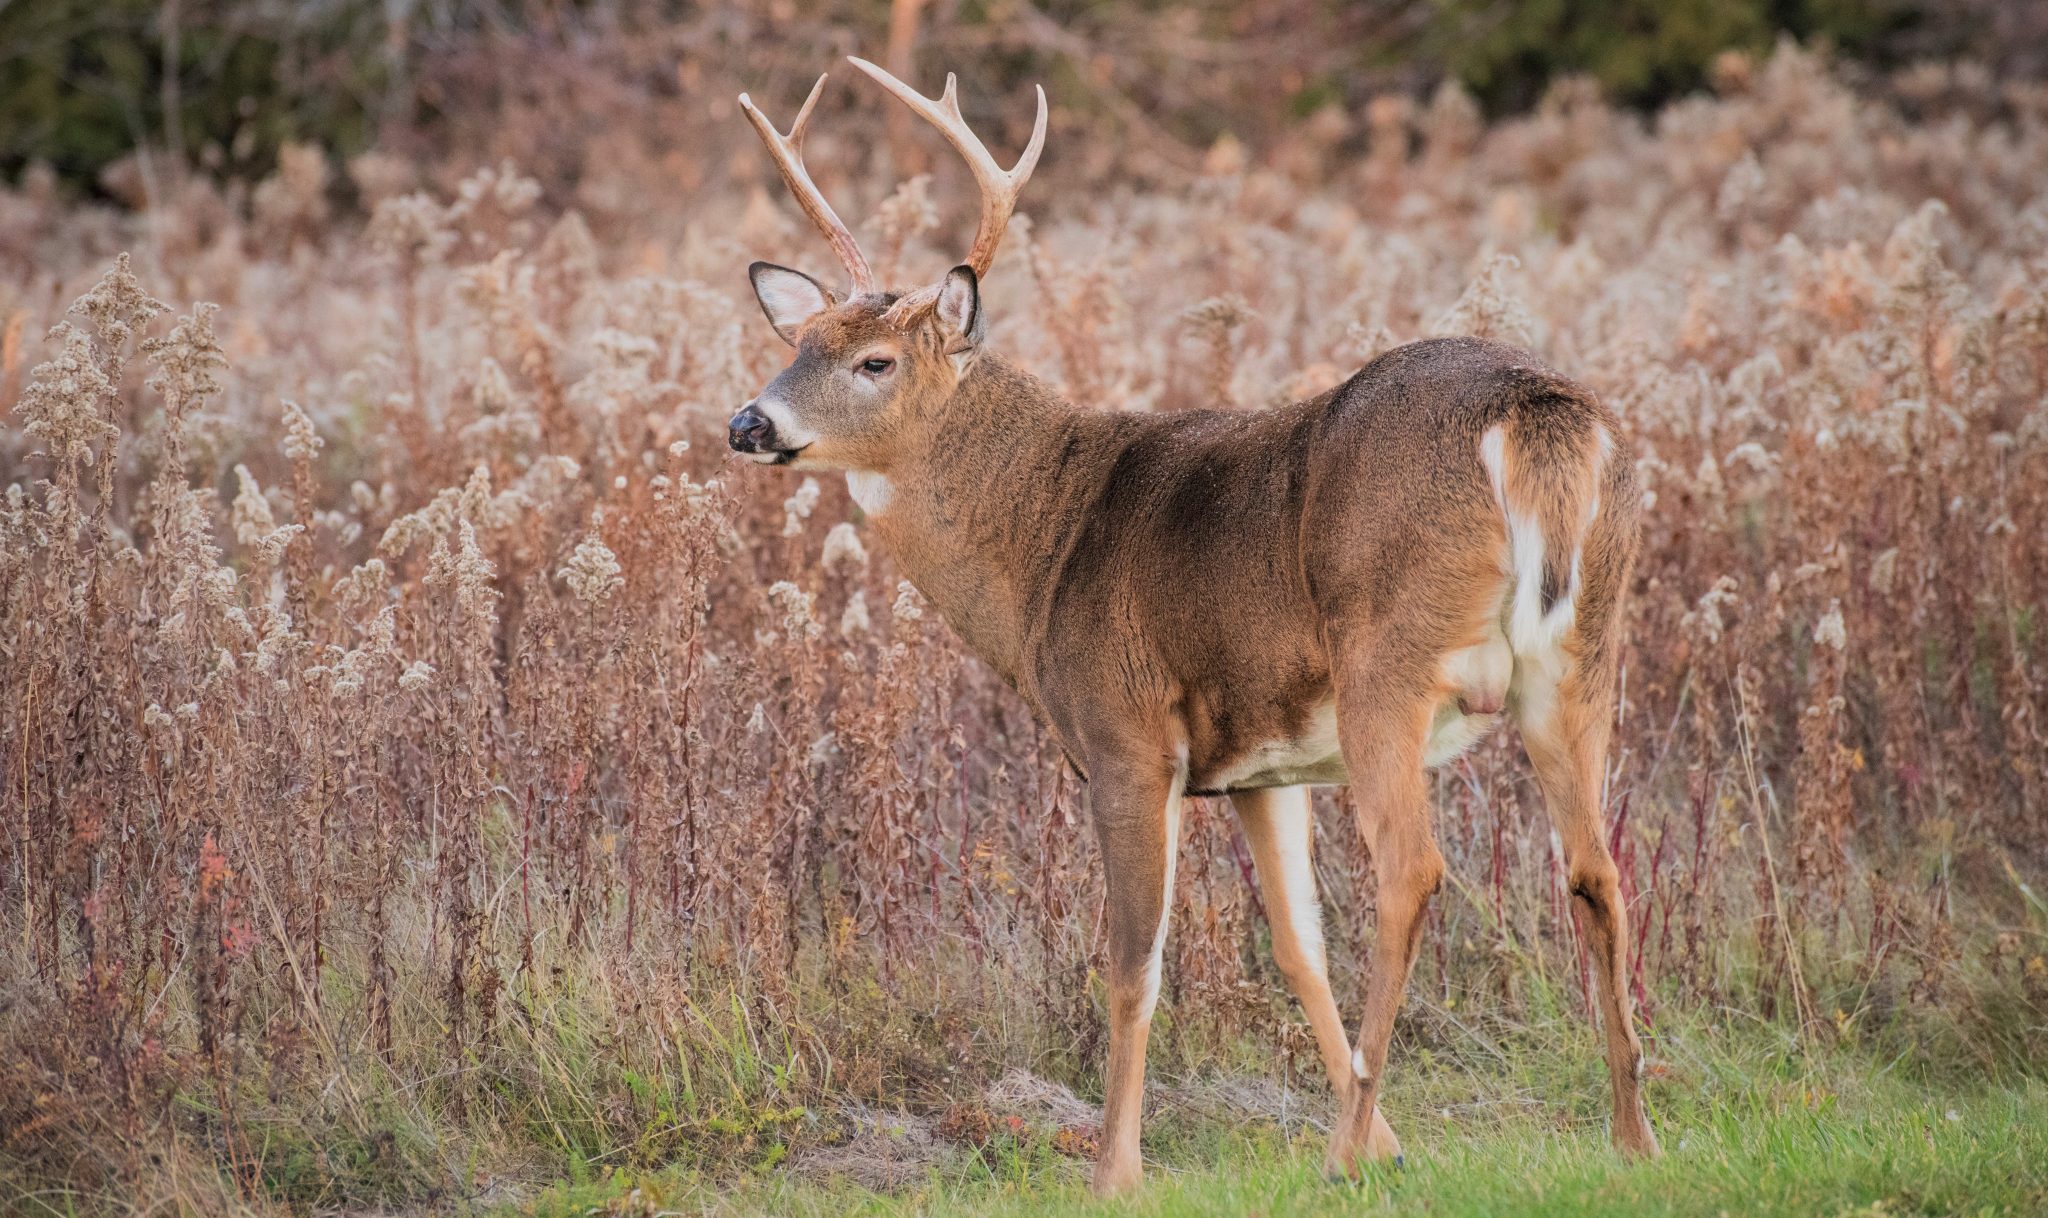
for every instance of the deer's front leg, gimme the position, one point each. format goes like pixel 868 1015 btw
pixel 1137 816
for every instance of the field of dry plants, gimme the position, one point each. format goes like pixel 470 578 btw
pixel 431 767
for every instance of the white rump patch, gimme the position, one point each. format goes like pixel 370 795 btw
pixel 1529 627
pixel 871 491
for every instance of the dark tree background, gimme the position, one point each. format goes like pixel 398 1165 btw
pixel 106 91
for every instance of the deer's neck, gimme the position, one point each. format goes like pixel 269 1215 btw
pixel 979 511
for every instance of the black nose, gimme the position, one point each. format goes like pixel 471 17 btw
pixel 748 431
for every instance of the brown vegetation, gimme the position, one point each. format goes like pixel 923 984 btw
pixel 425 754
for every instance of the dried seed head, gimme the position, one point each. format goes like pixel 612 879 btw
pixel 1218 315
pixel 277 641
pixel 853 621
pixel 909 606
pixel 271 546
pixel 301 441
pixel 798 507
pixel 1829 631
pixel 1705 617
pixel 907 213
pixel 592 572
pixel 844 555
pixel 251 511
pixel 66 397
pixel 464 568
pixel 412 227
pixel 504 187
pixel 492 393
pixel 796 610
pixel 1754 456
pixel 186 360
pixel 1487 309
pixel 117 307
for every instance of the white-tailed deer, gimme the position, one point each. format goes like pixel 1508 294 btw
pixel 1349 589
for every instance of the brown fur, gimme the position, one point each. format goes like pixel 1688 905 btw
pixel 1171 592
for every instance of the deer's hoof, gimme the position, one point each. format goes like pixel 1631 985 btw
pixel 1115 1179
pixel 1350 1153
pixel 1637 1141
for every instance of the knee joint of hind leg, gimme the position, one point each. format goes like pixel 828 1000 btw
pixel 1420 873
pixel 1430 875
pixel 1596 881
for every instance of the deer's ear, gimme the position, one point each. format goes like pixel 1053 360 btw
pixel 789 298
pixel 959 311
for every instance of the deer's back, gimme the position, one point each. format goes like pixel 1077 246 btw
pixel 1214 552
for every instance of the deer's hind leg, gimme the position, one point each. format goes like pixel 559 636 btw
pixel 1564 699
pixel 1385 705
pixel 1280 825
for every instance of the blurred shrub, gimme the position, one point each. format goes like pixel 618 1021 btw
pixel 1643 51
pixel 85 82
pixel 225 83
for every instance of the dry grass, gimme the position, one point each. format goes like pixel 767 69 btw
pixel 466 771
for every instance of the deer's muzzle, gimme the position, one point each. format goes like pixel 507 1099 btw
pixel 750 431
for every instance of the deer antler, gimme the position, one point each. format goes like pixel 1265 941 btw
pixel 999 187
pixel 788 151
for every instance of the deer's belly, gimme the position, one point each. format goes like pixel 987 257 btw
pixel 1311 758
pixel 1475 681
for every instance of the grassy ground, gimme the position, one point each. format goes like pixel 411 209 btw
pixel 1752 1125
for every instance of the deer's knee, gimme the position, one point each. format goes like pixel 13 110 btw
pixel 1595 880
pixel 1413 872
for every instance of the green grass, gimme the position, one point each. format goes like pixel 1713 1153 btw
pixel 1751 1128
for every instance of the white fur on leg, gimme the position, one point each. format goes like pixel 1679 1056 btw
pixel 1153 966
pixel 1293 830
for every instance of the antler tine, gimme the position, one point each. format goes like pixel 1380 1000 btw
pixel 999 187
pixel 788 151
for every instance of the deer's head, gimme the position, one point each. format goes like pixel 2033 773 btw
pixel 869 365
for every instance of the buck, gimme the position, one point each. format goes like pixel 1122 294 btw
pixel 1351 589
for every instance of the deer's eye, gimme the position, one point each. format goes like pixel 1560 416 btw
pixel 877 366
